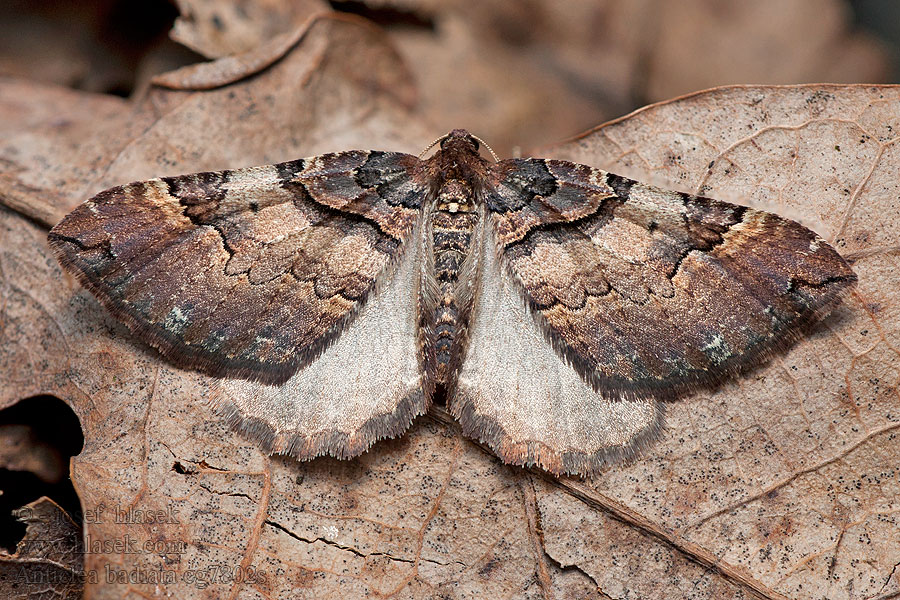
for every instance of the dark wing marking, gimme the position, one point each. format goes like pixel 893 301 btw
pixel 247 273
pixel 648 292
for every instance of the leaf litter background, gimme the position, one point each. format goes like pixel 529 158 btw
pixel 783 484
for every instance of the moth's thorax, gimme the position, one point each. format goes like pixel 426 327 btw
pixel 455 196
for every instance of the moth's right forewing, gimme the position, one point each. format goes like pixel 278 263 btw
pixel 246 273
pixel 653 293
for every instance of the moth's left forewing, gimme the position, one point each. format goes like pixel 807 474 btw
pixel 248 272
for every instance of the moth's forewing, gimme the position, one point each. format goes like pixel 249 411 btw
pixel 247 273
pixel 655 293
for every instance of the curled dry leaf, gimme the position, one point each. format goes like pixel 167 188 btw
pixel 49 560
pixel 70 145
pixel 217 28
pixel 231 68
pixel 762 483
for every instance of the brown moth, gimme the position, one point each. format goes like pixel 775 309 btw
pixel 553 304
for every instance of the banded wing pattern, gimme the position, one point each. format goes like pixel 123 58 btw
pixel 246 273
pixel 649 292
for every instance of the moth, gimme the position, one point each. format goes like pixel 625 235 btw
pixel 555 306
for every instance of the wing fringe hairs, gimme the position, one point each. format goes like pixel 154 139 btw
pixel 539 454
pixel 333 294
pixel 338 444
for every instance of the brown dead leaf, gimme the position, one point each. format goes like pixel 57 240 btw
pixel 528 72
pixel 49 561
pixel 51 150
pixel 62 150
pixel 217 28
pixel 234 67
pixel 229 69
pixel 750 493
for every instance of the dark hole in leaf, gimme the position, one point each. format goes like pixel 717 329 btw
pixel 48 426
pixel 181 469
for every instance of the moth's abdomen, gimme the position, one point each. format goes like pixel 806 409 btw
pixel 448 283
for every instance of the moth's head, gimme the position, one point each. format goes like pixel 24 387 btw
pixel 460 138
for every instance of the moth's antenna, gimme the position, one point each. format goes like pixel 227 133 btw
pixel 433 144
pixel 489 149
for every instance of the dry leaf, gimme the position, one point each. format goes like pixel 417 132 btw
pixel 70 145
pixel 751 492
pixel 217 28
pixel 231 68
pixel 536 72
pixel 48 562
pixel 52 150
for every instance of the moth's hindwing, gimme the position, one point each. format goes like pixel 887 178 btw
pixel 517 395
pixel 652 293
pixel 364 387
pixel 247 273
